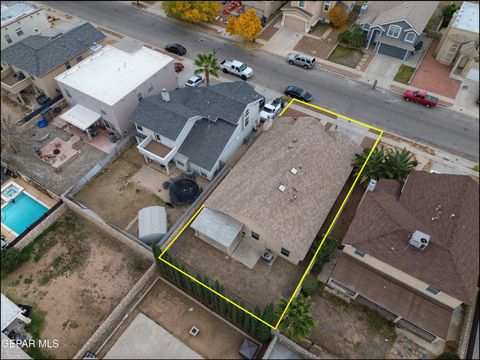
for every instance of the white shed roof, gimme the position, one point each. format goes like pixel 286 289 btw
pixel 9 311
pixel 467 17
pixel 152 221
pixel 217 226
pixel 80 117
pixel 111 74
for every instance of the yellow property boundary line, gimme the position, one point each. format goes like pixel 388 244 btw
pixel 274 327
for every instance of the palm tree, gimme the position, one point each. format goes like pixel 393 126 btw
pixel 399 164
pixel 298 322
pixel 208 64
pixel 374 169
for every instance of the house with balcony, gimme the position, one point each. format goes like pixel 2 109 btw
pixel 30 66
pixel 393 28
pixel 459 46
pixel 411 253
pixel 302 16
pixel 196 129
pixel 21 20
pixel 105 88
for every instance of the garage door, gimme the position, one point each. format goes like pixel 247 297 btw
pixel 392 51
pixel 295 23
pixel 473 75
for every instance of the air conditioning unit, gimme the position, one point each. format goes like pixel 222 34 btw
pixel 267 256
pixel 419 240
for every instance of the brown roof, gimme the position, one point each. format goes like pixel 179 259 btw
pixel 441 205
pixel 419 309
pixel 294 217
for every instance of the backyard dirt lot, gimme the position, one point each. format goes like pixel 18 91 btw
pixel 117 197
pixel 76 275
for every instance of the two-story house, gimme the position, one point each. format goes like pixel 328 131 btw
pixel 395 27
pixel 197 129
pixel 302 16
pixel 34 62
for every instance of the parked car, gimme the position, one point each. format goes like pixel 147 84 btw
pixel 271 109
pixel 420 97
pixel 237 68
pixel 176 49
pixel 298 93
pixel 304 60
pixel 195 81
pixel 178 67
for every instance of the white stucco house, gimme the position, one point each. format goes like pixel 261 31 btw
pixel 106 87
pixel 196 129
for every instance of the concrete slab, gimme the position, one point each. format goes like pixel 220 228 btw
pixel 283 41
pixel 248 252
pixel 280 351
pixel 383 68
pixel 466 100
pixel 144 339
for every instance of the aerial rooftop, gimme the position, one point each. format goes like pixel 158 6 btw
pixel 113 73
pixel 11 13
pixel 467 17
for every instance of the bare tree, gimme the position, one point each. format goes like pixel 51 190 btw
pixel 11 131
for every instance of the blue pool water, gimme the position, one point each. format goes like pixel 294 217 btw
pixel 22 213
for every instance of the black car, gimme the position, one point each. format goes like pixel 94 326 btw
pixel 176 49
pixel 298 93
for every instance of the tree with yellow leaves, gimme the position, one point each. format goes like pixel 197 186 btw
pixel 192 11
pixel 247 25
pixel 337 16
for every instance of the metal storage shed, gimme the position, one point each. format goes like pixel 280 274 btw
pixel 152 224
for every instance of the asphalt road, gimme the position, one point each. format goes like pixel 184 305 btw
pixel 440 127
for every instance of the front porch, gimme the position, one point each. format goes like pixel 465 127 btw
pixel 153 150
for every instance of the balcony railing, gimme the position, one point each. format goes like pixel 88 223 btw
pixel 11 83
pixel 156 151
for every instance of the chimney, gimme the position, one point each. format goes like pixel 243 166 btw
pixel 363 9
pixel 165 95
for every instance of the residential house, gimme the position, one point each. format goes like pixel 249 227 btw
pixel 197 129
pixel 459 44
pixel 395 27
pixel 34 62
pixel 412 251
pixel 21 20
pixel 280 192
pixel 263 8
pixel 107 87
pixel 302 16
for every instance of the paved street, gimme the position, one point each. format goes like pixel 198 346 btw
pixel 440 127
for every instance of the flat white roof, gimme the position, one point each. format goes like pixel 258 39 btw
pixel 80 117
pixel 10 13
pixel 467 17
pixel 9 311
pixel 111 74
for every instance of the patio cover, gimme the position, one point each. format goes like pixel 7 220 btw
pixel 152 223
pixel 80 117
pixel 10 312
pixel 221 230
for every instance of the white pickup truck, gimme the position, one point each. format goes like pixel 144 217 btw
pixel 271 109
pixel 237 68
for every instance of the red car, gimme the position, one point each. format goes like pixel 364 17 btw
pixel 178 67
pixel 420 97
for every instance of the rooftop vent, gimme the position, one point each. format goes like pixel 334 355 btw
pixel 294 171
pixel 419 240
pixel 95 48
pixel 282 188
pixel 165 95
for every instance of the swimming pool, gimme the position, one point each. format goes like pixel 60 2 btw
pixel 22 212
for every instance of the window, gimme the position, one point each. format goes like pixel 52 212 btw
pixel 139 96
pixel 19 31
pixel 366 27
pixel 204 174
pixel 301 4
pixel 246 118
pixel 326 6
pixel 139 127
pixel 103 112
pixel 67 65
pixel 410 37
pixel 255 235
pixel 180 163
pixel 8 38
pixel 359 252
pixel 394 31
pixel 79 58
pixel 68 93
pixel 433 290
pixel 285 252
pixel 150 88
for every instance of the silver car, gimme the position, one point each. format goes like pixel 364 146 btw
pixel 195 81
pixel 303 60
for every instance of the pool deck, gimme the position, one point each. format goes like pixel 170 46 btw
pixel 30 189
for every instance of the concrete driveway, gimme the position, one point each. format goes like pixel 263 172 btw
pixel 283 41
pixel 383 68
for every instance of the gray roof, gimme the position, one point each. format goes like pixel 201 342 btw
pixel 38 55
pixel 416 13
pixel 206 141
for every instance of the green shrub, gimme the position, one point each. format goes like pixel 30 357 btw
pixel 13 258
pixel 448 356
pixel 310 285
pixel 356 37
pixel 324 254
pixel 448 12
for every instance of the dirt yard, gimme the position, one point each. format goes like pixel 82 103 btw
pixel 350 331
pixel 75 277
pixel 117 197
pixel 216 339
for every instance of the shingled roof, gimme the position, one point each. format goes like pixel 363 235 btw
pixel 293 217
pixel 38 55
pixel 441 205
